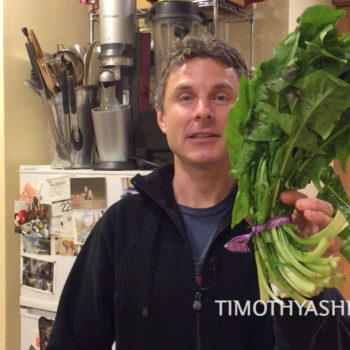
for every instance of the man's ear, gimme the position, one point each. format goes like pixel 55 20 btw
pixel 161 119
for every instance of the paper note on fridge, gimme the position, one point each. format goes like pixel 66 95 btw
pixel 59 188
pixel 61 219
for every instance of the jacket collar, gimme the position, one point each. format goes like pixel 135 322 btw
pixel 157 185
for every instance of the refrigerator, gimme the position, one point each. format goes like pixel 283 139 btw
pixel 46 259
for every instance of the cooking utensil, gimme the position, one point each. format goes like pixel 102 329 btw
pixel 80 50
pixel 91 65
pixel 76 134
pixel 60 148
pixel 36 75
pixel 43 66
pixel 93 77
pixel 77 65
pixel 65 103
pixel 86 99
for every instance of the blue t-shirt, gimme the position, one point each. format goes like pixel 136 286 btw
pixel 201 225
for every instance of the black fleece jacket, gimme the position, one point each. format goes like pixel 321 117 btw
pixel 134 282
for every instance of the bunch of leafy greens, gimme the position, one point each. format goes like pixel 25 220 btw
pixel 287 126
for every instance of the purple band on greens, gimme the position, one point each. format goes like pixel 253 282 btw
pixel 239 244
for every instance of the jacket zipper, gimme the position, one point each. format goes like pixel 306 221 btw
pixel 197 305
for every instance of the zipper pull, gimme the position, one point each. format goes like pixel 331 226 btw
pixel 197 305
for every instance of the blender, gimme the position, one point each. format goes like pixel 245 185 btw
pixel 172 20
pixel 112 119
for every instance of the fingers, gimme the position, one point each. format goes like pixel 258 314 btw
pixel 290 197
pixel 302 203
pixel 314 204
pixel 317 217
pixel 314 211
pixel 311 215
pixel 333 248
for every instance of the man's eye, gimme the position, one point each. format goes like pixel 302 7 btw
pixel 221 98
pixel 185 98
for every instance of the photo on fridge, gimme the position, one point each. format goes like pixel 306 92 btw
pixel 45 329
pixel 32 218
pixel 127 187
pixel 65 246
pixel 38 274
pixel 36 245
pixel 84 222
pixel 88 193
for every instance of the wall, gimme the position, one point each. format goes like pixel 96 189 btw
pixel 2 192
pixel 296 7
pixel 274 20
pixel 26 127
pixel 270 27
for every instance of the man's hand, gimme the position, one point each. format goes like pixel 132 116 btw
pixel 311 215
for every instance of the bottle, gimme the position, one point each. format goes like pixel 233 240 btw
pixel 108 100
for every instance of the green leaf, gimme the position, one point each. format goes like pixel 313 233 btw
pixel 316 53
pixel 320 16
pixel 266 128
pixel 323 99
pixel 262 192
pixel 311 172
pixel 345 244
pixel 237 114
pixel 342 140
pixel 243 202
pixel 334 193
pixel 285 121
pixel 247 156
pixel 309 142
pixel 283 81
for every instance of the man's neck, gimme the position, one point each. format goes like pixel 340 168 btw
pixel 201 187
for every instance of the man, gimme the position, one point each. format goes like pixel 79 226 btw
pixel 151 271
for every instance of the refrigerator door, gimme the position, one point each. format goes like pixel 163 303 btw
pixel 36 327
pixel 30 326
pixel 35 302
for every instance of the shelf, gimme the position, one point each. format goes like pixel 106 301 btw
pixel 227 11
pixel 216 11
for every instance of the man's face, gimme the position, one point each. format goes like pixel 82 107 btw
pixel 197 99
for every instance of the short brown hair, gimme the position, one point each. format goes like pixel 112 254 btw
pixel 203 46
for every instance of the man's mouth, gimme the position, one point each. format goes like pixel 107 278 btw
pixel 202 135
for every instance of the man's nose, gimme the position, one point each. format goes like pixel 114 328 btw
pixel 203 109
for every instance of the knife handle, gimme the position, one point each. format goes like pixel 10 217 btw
pixel 34 64
pixel 64 87
pixel 71 92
